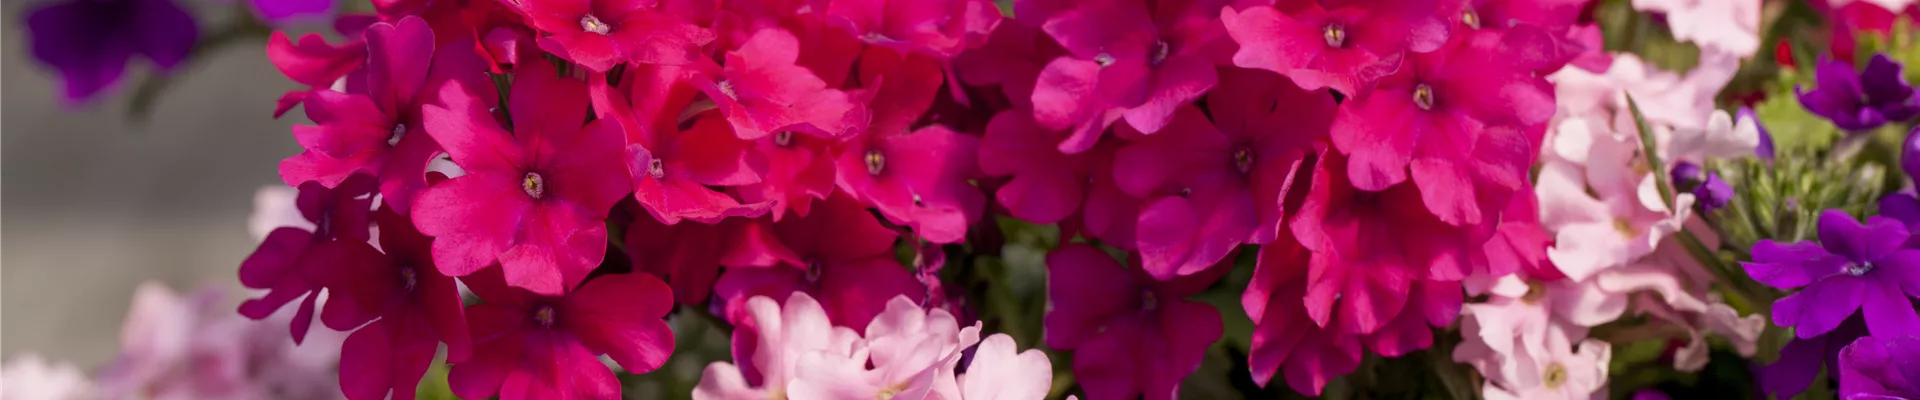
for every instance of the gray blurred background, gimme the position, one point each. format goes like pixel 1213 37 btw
pixel 93 203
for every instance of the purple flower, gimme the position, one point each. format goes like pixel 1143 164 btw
pixel 1881 367
pixel 1765 149
pixel 1711 191
pixel 1910 154
pixel 278 11
pixel 90 41
pixel 1801 359
pixel 1858 102
pixel 1854 267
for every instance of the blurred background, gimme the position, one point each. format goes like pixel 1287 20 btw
pixel 97 200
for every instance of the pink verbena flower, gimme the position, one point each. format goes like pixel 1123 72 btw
pixel 763 91
pixel 376 127
pixel 672 169
pixel 912 353
pixel 786 340
pixel 1012 59
pixel 1046 185
pixel 312 62
pixel 1213 186
pixel 998 373
pixel 687 254
pixel 1345 46
pixel 1125 59
pixel 529 346
pixel 1452 121
pixel 411 305
pixel 1284 335
pixel 799 171
pixel 915 177
pixel 838 254
pixel 599 34
pixel 289 263
pixel 1131 335
pixel 941 28
pixel 533 200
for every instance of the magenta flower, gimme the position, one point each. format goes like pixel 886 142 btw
pixel 838 254
pixel 91 41
pixel 534 200
pixel 375 128
pixel 763 92
pixel 687 254
pixel 412 307
pixel 1110 214
pixel 291 261
pixel 799 170
pixel 280 11
pixel 1854 267
pixel 672 169
pixel 1131 335
pixel 1125 61
pixel 940 28
pixel 599 34
pixel 1011 58
pixel 1877 367
pixel 1369 249
pixel 1453 118
pixel 312 62
pixel 1346 47
pixel 1211 189
pixel 1047 186
pixel 1801 360
pixel 528 346
pixel 1861 101
pixel 1284 335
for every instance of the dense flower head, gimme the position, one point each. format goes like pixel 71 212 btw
pixel 1132 335
pixel 529 346
pixel 1861 101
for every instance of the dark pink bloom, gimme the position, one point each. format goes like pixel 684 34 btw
pixel 1345 46
pixel 1430 304
pixel 1047 186
pixel 290 261
pixel 1110 214
pixel 1210 189
pixel 1370 248
pixel 942 28
pixel 1284 334
pixel 1131 335
pixel 534 200
pixel 917 178
pixel 686 254
pixel 412 307
pixel 1520 243
pixel 799 171
pixel 673 169
pixel 529 346
pixel 599 34
pixel 312 62
pixel 763 91
pixel 1012 59
pixel 375 128
pixel 1125 61
pixel 1453 117
pixel 838 254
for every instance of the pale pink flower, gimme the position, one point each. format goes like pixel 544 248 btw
pixel 30 377
pixel 787 340
pixel 1615 225
pixel 999 373
pixel 913 352
pixel 1729 26
pixel 1566 373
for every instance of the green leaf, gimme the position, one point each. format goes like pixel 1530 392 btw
pixel 1794 129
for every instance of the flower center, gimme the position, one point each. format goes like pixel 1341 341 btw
pixel 1148 301
pixel 1104 59
pixel 1423 96
pixel 656 168
pixel 783 138
pixel 876 162
pixel 399 130
pixel 726 88
pixel 544 316
pixel 813 271
pixel 1858 269
pixel 408 278
pixel 1243 159
pixel 1472 19
pixel 1335 34
pixel 591 23
pixel 534 184
pixel 1556 375
pixel 1535 292
pixel 1160 51
pixel 1624 228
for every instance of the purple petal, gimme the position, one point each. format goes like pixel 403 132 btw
pixel 1888 311
pixel 1820 307
pixel 1844 236
pixel 1792 265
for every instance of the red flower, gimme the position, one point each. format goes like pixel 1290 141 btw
pixel 1345 47
pixel 1125 61
pixel 529 346
pixel 412 307
pixel 1131 335
pixel 599 34
pixel 673 169
pixel 291 262
pixel 312 62
pixel 838 254
pixel 941 28
pixel 763 91
pixel 917 178
pixel 535 200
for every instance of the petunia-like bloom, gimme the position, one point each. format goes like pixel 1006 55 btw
pixel 1210 187
pixel 91 41
pixel 1881 367
pixel 1345 46
pixel 1047 186
pixel 941 28
pixel 763 92
pixel 1370 248
pixel 1452 122
pixel 411 305
pixel 1861 101
pixel 376 128
pixel 290 261
pixel 1854 268
pixel 1284 336
pixel 786 339
pixel 1000 371
pixel 533 200
pixel 599 34
pixel 838 254
pixel 1126 59
pixel 529 346
pixel 1131 335
pixel 1722 26
pixel 912 352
